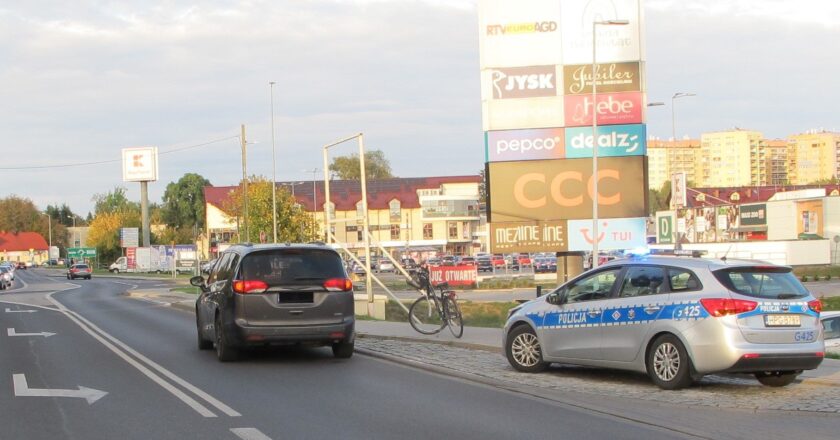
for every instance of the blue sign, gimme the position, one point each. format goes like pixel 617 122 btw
pixel 613 234
pixel 613 140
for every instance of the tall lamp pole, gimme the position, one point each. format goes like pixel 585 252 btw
pixel 595 196
pixel 673 118
pixel 273 169
pixel 49 232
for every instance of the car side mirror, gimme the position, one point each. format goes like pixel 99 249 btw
pixel 557 298
pixel 198 281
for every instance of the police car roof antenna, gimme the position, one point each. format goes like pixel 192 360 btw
pixel 723 258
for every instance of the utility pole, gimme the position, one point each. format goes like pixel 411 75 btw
pixel 244 184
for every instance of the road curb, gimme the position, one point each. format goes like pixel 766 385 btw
pixel 458 344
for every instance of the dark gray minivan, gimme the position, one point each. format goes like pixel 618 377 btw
pixel 258 295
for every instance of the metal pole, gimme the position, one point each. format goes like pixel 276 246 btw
pixel 594 152
pixel 327 219
pixel 144 212
pixel 366 222
pixel 673 121
pixel 244 186
pixel 273 169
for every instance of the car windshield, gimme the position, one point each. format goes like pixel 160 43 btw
pixel 762 282
pixel 292 266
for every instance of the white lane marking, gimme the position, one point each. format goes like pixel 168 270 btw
pixel 249 434
pixel 124 284
pixel 152 301
pixel 8 310
pixel 192 403
pixel 22 390
pixel 12 332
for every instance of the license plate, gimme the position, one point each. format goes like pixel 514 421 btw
pixel 782 321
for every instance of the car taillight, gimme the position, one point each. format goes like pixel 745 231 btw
pixel 718 307
pixel 249 286
pixel 815 305
pixel 338 285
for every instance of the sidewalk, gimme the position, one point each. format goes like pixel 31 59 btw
pixel 474 338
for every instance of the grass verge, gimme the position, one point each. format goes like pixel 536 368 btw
pixel 475 314
pixel 192 290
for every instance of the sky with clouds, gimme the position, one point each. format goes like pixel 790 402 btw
pixel 81 80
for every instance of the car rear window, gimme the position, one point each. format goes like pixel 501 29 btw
pixel 81 266
pixel 762 282
pixel 292 266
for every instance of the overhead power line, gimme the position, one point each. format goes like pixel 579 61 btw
pixel 100 162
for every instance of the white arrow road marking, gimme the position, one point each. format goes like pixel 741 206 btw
pixel 8 310
pixel 23 390
pixel 249 434
pixel 12 332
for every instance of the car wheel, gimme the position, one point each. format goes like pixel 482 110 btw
pixel 343 349
pixel 203 344
pixel 224 351
pixel 668 364
pixel 524 351
pixel 776 378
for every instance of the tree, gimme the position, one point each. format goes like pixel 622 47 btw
pixel 21 215
pixel 64 215
pixel 659 199
pixel 183 202
pixel 482 187
pixel 376 166
pixel 293 223
pixel 104 232
pixel 114 201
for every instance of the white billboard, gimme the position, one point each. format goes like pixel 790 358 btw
pixel 615 43
pixel 518 113
pixel 519 33
pixel 140 164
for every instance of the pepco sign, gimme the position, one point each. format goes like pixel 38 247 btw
pixel 509 145
pixel 552 189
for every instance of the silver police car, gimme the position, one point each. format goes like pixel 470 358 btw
pixel 676 318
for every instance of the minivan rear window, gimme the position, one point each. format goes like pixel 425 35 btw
pixel 292 266
pixel 762 282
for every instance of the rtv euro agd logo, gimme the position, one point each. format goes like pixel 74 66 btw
pixel 613 140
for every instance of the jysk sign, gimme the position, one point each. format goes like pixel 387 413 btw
pixel 521 82
pixel 613 140
pixel 753 215
pixel 562 189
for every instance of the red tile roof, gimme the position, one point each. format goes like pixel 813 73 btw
pixel 346 193
pixel 747 194
pixel 22 241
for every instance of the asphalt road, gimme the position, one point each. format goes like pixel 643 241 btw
pixel 159 386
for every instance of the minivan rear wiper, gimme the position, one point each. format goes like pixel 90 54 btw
pixel 310 279
pixel 788 296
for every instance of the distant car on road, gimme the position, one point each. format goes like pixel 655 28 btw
pixel 275 294
pixel 675 318
pixel 5 278
pixel 79 271
pixel 21 265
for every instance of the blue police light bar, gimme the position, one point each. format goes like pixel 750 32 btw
pixel 678 252
pixel 637 252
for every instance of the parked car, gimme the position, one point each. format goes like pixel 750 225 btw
pixel 409 264
pixel 545 265
pixel 275 294
pixel 448 260
pixel 523 260
pixel 484 264
pixel 10 268
pixel 511 262
pixel 434 261
pixel 467 261
pixel 385 265
pixel 21 265
pixel 79 271
pixel 499 261
pixel 5 278
pixel 675 318
pixel 831 331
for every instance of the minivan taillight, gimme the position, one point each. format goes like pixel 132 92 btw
pixel 718 307
pixel 338 285
pixel 249 286
pixel 815 305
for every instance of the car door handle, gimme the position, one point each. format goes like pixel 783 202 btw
pixel 594 313
pixel 652 309
pixel 296 312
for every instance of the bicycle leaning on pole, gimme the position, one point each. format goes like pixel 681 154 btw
pixel 436 309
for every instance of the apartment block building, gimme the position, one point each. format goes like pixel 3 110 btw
pixel 813 156
pixel 732 158
pixel 668 157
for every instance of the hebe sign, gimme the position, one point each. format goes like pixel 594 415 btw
pixel 612 108
pixel 613 140
pixel 509 145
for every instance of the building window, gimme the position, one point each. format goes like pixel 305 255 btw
pixel 360 212
pixel 395 232
pixel 453 230
pixel 428 232
pixel 394 211
pixel 360 235
pixel 332 209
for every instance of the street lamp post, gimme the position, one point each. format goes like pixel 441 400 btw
pixel 49 232
pixel 673 118
pixel 595 196
pixel 273 169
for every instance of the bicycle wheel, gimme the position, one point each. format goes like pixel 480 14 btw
pixel 425 316
pixel 454 319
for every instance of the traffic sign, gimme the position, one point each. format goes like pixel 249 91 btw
pixel 84 252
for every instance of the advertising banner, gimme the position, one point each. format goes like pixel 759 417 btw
pixel 140 164
pixel 520 82
pixel 514 114
pixel 561 189
pixel 519 33
pixel 753 215
pixel 613 140
pixel 614 43
pixel 678 190
pixel 611 108
pixel 610 78
pixel 536 144
pixel 809 216
pixel 454 275
pixel 129 237
pixel 613 234
pixel 537 236
pixel 131 257
pixel 665 228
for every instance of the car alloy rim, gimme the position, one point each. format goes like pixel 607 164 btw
pixel 525 349
pixel 666 361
